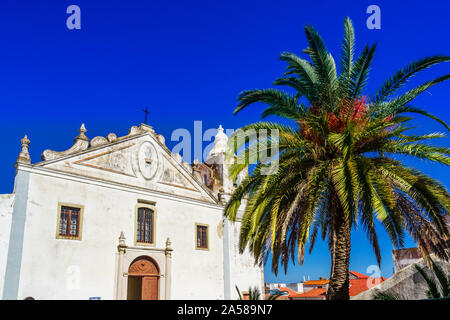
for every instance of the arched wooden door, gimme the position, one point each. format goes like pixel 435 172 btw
pixel 143 279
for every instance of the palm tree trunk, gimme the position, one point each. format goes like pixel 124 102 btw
pixel 338 287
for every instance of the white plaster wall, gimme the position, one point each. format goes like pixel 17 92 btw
pixel 196 274
pixel 6 208
pixel 244 273
pixel 296 286
pixel 50 266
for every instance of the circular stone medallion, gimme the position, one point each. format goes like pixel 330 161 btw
pixel 148 160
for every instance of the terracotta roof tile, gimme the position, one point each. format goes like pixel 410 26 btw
pixel 316 282
pixel 359 275
pixel 360 285
pixel 313 293
pixel 278 298
pixel 289 291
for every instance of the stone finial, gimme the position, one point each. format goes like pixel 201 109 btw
pixel 187 166
pixel 24 155
pixel 98 141
pixel 177 157
pixel 112 137
pixel 82 132
pixel 122 238
pixel 168 244
pixel 221 196
pixel 161 139
pixel 169 249
pixel 122 246
pixel 134 130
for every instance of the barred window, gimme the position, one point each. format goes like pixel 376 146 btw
pixel 202 237
pixel 69 222
pixel 145 226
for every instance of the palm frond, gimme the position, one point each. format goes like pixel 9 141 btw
pixel 239 293
pixel 412 109
pixel 385 295
pixel 360 72
pixel 323 63
pixel 403 75
pixel 348 48
pixel 432 291
pixel 442 278
pixel 398 104
pixel 280 103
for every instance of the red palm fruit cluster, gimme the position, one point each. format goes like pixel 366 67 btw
pixel 354 111
pixel 308 133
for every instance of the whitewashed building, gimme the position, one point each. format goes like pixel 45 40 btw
pixel 121 218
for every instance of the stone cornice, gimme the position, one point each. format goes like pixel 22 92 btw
pixel 114 185
pixel 135 133
pixel 47 162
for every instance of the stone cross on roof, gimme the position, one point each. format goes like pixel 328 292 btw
pixel 146 114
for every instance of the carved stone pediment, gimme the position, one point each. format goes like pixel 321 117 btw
pixel 139 159
pixel 142 160
pixel 117 161
pixel 173 176
pixel 82 142
pixel 80 145
pixel 99 141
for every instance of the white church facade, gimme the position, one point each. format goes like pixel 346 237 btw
pixel 121 218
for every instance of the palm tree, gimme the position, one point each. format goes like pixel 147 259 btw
pixel 335 167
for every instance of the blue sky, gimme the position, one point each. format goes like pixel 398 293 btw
pixel 188 61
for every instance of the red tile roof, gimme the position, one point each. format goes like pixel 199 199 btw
pixel 359 275
pixel 316 282
pixel 362 283
pixel 288 291
pixel 267 295
pixel 313 293
pixel 359 285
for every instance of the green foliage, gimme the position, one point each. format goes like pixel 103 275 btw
pixel 253 293
pixel 435 292
pixel 378 295
pixel 403 75
pixel 275 296
pixel 239 293
pixel 341 157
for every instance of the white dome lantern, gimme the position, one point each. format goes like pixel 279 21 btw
pixel 220 143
